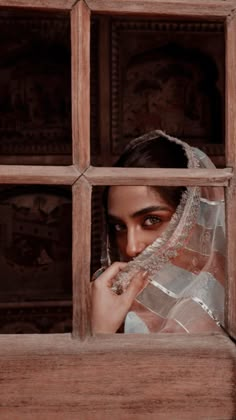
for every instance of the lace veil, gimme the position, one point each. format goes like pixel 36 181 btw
pixel 186 263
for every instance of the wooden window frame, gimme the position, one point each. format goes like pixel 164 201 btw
pixel 100 376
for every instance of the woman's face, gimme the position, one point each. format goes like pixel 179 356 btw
pixel 137 215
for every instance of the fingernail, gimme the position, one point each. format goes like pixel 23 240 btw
pixel 145 274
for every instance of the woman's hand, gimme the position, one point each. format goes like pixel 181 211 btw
pixel 108 308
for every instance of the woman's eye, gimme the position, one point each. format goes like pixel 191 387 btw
pixel 152 220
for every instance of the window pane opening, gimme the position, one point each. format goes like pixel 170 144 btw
pixel 35 105
pixel 180 248
pixel 35 259
pixel 151 74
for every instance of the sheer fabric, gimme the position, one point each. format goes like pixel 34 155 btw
pixel 186 264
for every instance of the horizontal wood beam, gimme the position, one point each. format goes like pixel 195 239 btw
pixel 169 376
pixel 48 175
pixel 160 176
pixel 211 9
pixel 39 4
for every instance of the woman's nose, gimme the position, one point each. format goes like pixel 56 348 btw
pixel 135 244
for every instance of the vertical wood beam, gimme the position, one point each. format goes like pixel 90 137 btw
pixel 230 299
pixel 80 50
pixel 81 256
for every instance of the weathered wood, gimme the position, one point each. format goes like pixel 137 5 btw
pixel 211 9
pixel 162 376
pixel 230 92
pixel 39 4
pixel 81 256
pixel 152 176
pixel 50 175
pixel 230 313
pixel 80 46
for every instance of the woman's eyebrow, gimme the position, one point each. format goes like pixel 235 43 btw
pixel 149 210
pixel 113 218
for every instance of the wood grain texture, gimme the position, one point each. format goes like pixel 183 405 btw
pixel 230 92
pixel 80 47
pixel 210 9
pixel 50 175
pixel 39 4
pixel 151 176
pixel 230 312
pixel 162 376
pixel 81 255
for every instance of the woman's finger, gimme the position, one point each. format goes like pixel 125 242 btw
pixel 109 274
pixel 137 284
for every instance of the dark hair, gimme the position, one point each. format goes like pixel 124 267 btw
pixel 157 152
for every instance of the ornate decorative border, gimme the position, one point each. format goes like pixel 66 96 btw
pixel 163 26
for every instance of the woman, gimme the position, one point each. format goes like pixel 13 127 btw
pixel 169 242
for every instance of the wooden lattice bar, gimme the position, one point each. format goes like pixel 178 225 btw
pixel 39 4
pixel 49 175
pixel 81 257
pixel 150 176
pixel 80 38
pixel 202 9
pixel 230 310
